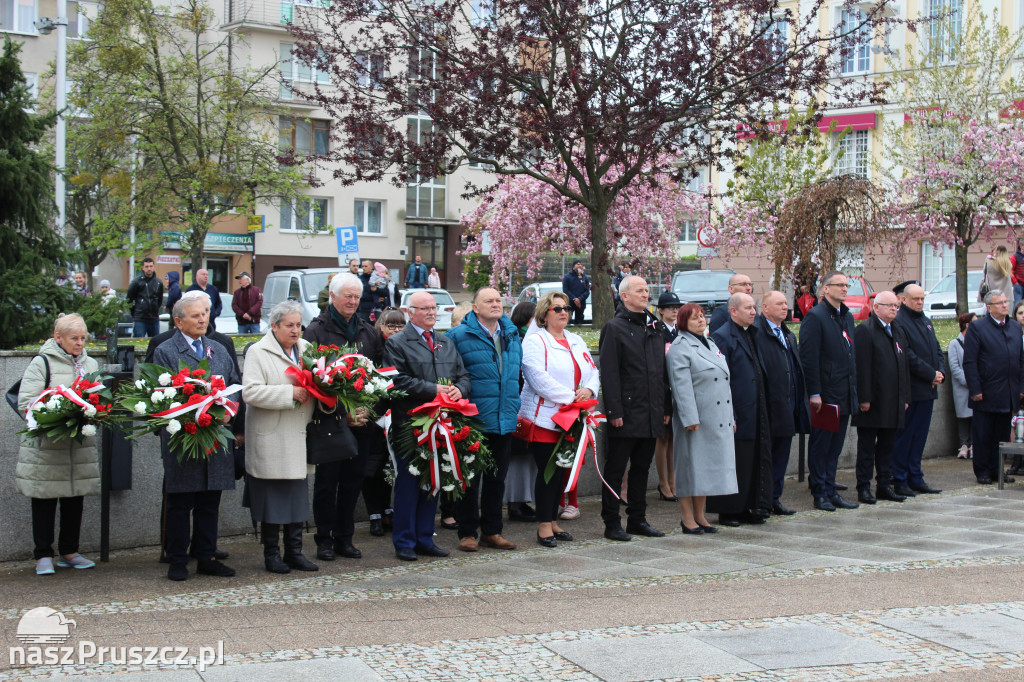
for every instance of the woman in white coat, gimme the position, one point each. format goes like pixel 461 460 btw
pixel 702 420
pixel 276 415
pixel 557 370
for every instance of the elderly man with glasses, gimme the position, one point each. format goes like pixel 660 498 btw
pixel 738 284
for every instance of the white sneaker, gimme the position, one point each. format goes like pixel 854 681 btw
pixel 44 566
pixel 570 512
pixel 78 561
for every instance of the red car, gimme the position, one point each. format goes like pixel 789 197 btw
pixel 859 296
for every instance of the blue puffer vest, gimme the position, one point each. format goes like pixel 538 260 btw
pixel 496 396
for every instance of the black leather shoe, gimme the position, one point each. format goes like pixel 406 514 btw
pixel 753 519
pixel 984 480
pixel 865 497
pixel 824 503
pixel 520 511
pixel 449 525
pixel 840 486
pixel 547 542
pixel 691 531
pixel 728 520
pixel 325 551
pixel 887 493
pixel 177 572
pixel 376 527
pixel 643 528
pixel 219 555
pixel 708 529
pixel 839 503
pixel 300 563
pixel 346 550
pixel 925 488
pixel 779 510
pixel 214 567
pixel 405 554
pixel 563 536
pixel 904 490
pixel 432 550
pixel 616 534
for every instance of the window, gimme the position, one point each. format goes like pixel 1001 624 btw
pixel 371 69
pixel 306 214
pixel 776 33
pixel 855 155
pixel 937 261
pixel 856 54
pixel 80 14
pixel 482 11
pixel 368 216
pixel 294 70
pixel 18 16
pixel 688 232
pixel 945 28
pixel 303 135
pixel 422 65
pixel 425 193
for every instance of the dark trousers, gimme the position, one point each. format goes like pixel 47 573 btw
pixel 637 453
pixel 481 504
pixel 376 489
pixel 874 453
pixel 823 457
pixel 44 516
pixel 413 524
pixel 546 494
pixel 335 493
pixel 577 312
pixel 781 446
pixel 988 429
pixel 192 517
pixel 910 441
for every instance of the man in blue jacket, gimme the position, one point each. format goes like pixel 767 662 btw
pixel 492 352
pixel 576 285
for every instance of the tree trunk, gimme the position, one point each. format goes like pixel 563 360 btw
pixel 603 308
pixel 960 259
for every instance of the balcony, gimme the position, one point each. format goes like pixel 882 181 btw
pixel 273 15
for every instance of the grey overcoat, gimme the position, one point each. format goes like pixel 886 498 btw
pixel 705 459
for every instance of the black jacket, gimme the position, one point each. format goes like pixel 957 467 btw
pixel 787 399
pixel 828 357
pixel 994 364
pixel 419 370
pixel 883 374
pixel 923 351
pixel 633 380
pixel 145 295
pixel 323 332
pixel 719 316
pixel 746 379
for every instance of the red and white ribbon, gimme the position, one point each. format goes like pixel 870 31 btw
pixel 566 417
pixel 61 391
pixel 442 426
pixel 214 398
pixel 385 424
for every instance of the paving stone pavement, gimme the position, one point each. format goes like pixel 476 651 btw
pixel 923 590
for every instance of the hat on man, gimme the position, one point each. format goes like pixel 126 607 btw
pixel 669 299
pixel 243 274
pixel 898 289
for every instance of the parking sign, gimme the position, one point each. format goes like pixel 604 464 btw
pixel 348 239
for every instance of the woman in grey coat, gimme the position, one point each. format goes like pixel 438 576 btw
pixel 961 397
pixel 702 419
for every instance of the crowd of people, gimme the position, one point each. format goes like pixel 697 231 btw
pixel 717 411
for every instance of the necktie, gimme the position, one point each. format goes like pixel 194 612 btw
pixel 778 333
pixel 197 345
pixel 888 330
pixel 429 338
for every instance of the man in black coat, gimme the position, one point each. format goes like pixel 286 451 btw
pixel 883 388
pixel 752 437
pixel 787 398
pixel 337 484
pixel 637 403
pixel 738 284
pixel 994 368
pixel 422 358
pixel 830 374
pixel 145 296
pixel 576 285
pixel 926 363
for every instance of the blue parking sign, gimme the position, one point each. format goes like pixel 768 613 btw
pixel 348 239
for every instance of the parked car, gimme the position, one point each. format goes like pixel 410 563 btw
pixel 300 285
pixel 534 292
pixel 226 323
pixel 859 296
pixel 709 288
pixel 940 302
pixel 445 305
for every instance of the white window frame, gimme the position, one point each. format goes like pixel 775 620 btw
pixel 429 184
pixel 20 24
pixel 856 157
pixel 859 60
pixel 944 262
pixel 936 37
pixel 362 206
pixel 371 76
pixel 687 232
pixel 295 71
pixel 481 12
pixel 80 20
pixel 777 32
pixel 288 225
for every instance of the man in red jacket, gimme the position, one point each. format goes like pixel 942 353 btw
pixel 247 302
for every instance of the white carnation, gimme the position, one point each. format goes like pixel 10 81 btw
pixel 448 488
pixel 38 406
pixel 53 403
pixel 170 392
pixel 380 384
pixel 173 427
pixel 413 470
pixel 90 411
pixel 157 396
pixel 140 384
pixel 468 459
pixel 369 387
pixel 88 430
pixel 445 468
pixel 165 379
pixel 470 475
pixel 175 406
pixel 140 407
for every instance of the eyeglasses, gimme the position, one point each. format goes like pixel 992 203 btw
pixel 560 309
pixel 844 285
pixel 1003 302
pixel 395 327
pixel 888 305
pixel 429 309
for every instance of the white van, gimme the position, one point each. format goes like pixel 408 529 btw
pixel 300 285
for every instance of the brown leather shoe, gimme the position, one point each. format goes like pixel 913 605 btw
pixel 497 542
pixel 467 544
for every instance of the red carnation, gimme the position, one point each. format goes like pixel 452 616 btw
pixel 177 380
pixel 190 427
pixel 359 384
pixel 474 447
pixel 334 347
pixel 417 432
pixel 348 374
pixel 205 420
pixel 350 361
pixel 185 372
pixel 187 389
pixel 199 372
pixel 218 383
pixel 321 347
pixel 94 398
pixel 193 399
pixel 569 438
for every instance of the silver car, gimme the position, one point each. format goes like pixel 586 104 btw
pixel 940 302
pixel 445 305
pixel 535 292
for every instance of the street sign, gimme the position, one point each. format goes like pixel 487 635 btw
pixel 348 239
pixel 257 223
pixel 707 252
pixel 707 236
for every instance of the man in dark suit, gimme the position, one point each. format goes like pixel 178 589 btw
pixel 787 398
pixel 883 388
pixel 422 359
pixel 926 362
pixel 994 367
pixel 738 284
pixel 194 486
pixel 576 285
pixel 830 374
pixel 752 438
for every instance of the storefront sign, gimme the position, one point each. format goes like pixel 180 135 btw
pixel 215 241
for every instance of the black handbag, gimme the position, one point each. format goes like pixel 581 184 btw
pixel 329 438
pixel 13 391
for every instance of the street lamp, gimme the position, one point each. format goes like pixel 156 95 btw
pixel 46 25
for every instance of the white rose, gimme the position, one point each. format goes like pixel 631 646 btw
pixel 157 396
pixel 88 430
pixel 448 488
pixel 170 392
pixel 175 406
pixel 445 468
pixel 413 470
pixel 369 387
pixel 165 379
pixel 90 411
pixel 140 407
pixel 173 426
pixel 140 384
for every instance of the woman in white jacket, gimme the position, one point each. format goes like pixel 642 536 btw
pixel 557 370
